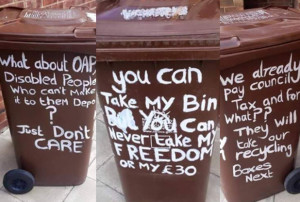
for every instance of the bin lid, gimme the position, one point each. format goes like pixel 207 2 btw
pixel 145 27
pixel 47 25
pixel 258 28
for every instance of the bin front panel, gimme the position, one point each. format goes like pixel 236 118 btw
pixel 161 118
pixel 259 123
pixel 50 102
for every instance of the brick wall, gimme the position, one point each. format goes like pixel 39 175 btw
pixel 231 5
pixel 39 4
pixel 3 121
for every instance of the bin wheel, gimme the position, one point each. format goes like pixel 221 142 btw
pixel 292 182
pixel 18 181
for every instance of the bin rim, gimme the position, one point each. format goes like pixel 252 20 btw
pixel 72 47
pixel 232 60
pixel 188 47
pixel 165 54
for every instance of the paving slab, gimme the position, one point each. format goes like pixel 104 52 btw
pixel 106 194
pixel 108 175
pixel 269 199
pixel 222 197
pixel 83 193
pixel 215 161
pixel 6 135
pixel 92 171
pixel 45 194
pixel 93 152
pixel 286 197
pixel 7 157
pixel 213 190
pixel 100 114
pixel 7 198
pixel 98 108
pixel 104 151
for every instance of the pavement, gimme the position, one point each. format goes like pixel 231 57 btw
pixel 103 173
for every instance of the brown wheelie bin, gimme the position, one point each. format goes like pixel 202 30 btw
pixel 157 78
pixel 47 75
pixel 259 106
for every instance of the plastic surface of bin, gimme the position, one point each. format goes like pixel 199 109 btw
pixel 47 76
pixel 259 106
pixel 157 75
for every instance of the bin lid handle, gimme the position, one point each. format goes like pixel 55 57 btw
pixel 85 32
pixel 230 42
pixel 4 17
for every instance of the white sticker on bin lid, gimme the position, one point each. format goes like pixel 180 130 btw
pixel 160 12
pixel 249 16
pixel 51 14
pixel 91 16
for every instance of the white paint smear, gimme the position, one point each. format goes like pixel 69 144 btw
pixel 92 16
pixel 162 12
pixel 245 17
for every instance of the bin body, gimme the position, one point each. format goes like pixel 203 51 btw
pixel 259 107
pixel 42 87
pixel 162 144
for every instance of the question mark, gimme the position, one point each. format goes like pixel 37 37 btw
pixel 267 112
pixel 53 111
pixel 256 113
